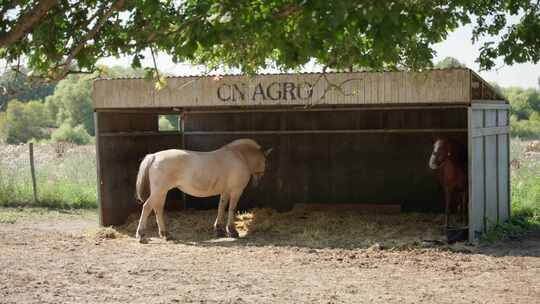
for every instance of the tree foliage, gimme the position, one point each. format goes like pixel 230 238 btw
pixel 76 135
pixel 17 85
pixel 72 102
pixel 525 111
pixel 58 35
pixel 524 102
pixel 165 124
pixel 449 62
pixel 69 109
pixel 25 121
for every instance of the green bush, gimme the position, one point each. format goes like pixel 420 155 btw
pixel 25 121
pixel 527 128
pixel 77 135
pixel 165 124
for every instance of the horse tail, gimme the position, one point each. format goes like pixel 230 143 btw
pixel 143 182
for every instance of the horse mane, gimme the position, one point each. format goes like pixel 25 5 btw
pixel 243 143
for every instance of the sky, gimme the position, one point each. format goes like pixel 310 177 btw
pixel 458 45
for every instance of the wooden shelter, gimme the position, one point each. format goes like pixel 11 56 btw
pixel 339 138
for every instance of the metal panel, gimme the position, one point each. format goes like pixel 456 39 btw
pixel 434 86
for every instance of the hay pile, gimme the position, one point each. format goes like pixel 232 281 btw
pixel 313 229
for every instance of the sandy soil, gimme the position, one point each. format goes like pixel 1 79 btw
pixel 56 260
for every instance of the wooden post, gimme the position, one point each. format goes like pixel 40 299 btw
pixel 32 170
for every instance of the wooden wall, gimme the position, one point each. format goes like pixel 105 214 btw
pixel 373 156
pixel 335 157
pixel 123 139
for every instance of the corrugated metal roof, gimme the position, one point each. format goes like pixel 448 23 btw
pixel 278 74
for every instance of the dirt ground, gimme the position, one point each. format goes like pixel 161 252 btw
pixel 67 259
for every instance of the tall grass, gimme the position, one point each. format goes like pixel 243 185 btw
pixel 525 191
pixel 525 180
pixel 65 179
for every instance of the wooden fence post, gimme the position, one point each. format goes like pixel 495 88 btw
pixel 33 171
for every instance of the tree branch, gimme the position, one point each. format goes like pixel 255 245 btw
pixel 97 27
pixel 155 64
pixel 27 22
pixel 153 36
pixel 86 22
pixel 287 11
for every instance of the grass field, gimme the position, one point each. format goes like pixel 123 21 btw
pixel 65 176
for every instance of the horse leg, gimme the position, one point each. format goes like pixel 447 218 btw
pixel 447 198
pixel 231 229
pixel 159 206
pixel 219 228
pixel 146 210
pixel 465 206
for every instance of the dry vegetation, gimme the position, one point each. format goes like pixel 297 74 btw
pixel 313 229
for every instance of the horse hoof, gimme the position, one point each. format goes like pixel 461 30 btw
pixel 168 237
pixel 232 233
pixel 220 232
pixel 143 241
pixel 165 235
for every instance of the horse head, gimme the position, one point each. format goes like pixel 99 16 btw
pixel 259 166
pixel 254 155
pixel 441 152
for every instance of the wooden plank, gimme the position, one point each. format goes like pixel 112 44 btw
pixel 502 118
pixel 490 131
pixel 368 89
pixel 490 118
pixel 137 133
pixel 33 171
pixel 350 131
pixel 98 168
pixel 490 104
pixel 503 165
pixel 491 181
pixel 389 88
pixel 322 109
pixel 477 119
pixel 476 177
pixel 477 212
pixel 283 90
pixel 127 122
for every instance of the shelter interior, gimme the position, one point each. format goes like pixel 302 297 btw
pixel 355 154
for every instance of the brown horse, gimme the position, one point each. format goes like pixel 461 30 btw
pixel 449 159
